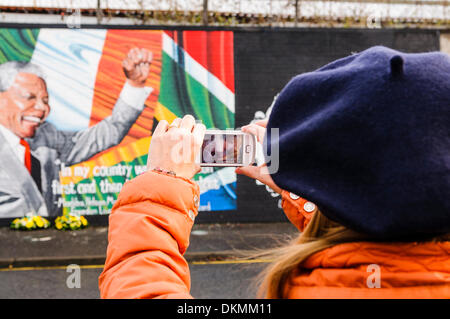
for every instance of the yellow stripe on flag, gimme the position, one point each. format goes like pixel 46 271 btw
pixel 116 155
pixel 163 113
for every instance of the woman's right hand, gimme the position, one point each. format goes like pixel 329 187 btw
pixel 260 173
pixel 175 147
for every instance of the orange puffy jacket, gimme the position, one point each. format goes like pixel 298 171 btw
pixel 149 230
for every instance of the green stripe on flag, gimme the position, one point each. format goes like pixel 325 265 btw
pixel 17 44
pixel 182 94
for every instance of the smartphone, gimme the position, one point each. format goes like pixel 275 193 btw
pixel 227 148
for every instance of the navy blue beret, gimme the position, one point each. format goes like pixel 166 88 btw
pixel 367 139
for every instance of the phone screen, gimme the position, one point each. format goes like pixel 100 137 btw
pixel 222 149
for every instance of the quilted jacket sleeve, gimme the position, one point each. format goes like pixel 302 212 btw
pixel 294 208
pixel 149 229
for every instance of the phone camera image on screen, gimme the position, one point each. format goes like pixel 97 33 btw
pixel 222 149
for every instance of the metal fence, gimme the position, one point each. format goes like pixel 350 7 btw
pixel 372 13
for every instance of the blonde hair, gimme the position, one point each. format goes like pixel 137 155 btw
pixel 321 233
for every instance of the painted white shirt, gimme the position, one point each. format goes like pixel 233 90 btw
pixel 135 97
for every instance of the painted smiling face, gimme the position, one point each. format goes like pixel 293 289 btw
pixel 24 106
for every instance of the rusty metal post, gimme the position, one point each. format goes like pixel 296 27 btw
pixel 99 12
pixel 205 12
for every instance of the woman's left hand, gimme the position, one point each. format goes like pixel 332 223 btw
pixel 260 173
pixel 175 147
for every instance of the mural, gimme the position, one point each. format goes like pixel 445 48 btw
pixel 78 106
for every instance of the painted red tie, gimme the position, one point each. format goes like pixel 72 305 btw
pixel 27 161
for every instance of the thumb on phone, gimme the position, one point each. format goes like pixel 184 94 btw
pixel 255 129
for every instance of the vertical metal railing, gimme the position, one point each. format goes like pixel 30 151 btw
pixel 205 13
pixel 99 12
pixel 264 12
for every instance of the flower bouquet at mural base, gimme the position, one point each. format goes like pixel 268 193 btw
pixel 30 222
pixel 34 222
pixel 70 222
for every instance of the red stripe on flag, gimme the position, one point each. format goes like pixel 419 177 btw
pixel 214 51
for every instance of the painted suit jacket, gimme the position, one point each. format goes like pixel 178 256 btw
pixel 19 193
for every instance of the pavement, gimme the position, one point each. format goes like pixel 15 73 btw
pixel 50 247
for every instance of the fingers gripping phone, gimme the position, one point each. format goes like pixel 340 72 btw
pixel 227 148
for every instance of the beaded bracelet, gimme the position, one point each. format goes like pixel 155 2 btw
pixel 160 170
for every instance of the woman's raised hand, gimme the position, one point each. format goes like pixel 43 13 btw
pixel 176 147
